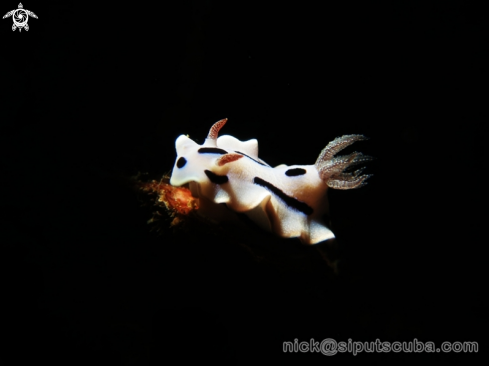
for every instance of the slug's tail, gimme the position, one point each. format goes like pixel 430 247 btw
pixel 337 172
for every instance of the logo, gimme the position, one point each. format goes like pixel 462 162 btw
pixel 20 17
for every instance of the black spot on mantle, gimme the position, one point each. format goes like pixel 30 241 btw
pixel 211 150
pixel 289 201
pixel 181 162
pixel 216 179
pixel 295 172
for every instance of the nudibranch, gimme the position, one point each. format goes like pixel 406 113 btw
pixel 289 201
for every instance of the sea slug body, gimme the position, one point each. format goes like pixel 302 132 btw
pixel 289 201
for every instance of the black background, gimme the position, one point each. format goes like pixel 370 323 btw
pixel 93 94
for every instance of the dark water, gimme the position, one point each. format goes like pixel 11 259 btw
pixel 93 94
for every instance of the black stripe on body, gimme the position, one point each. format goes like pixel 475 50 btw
pixel 289 201
pixel 295 172
pixel 249 157
pixel 216 179
pixel 211 150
